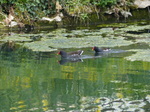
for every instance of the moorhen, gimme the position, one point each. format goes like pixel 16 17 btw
pixel 75 54
pixel 98 50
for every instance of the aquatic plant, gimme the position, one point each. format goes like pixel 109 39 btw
pixel 140 55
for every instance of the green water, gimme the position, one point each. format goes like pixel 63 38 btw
pixel 37 82
pixel 118 81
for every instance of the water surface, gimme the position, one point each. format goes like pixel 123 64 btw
pixel 37 82
pixel 42 82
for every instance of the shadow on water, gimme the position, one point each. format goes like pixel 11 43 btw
pixel 139 32
pixel 74 60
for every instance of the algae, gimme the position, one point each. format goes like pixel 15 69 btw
pixel 80 38
pixel 63 42
pixel 88 38
pixel 77 39
pixel 134 28
pixel 16 38
pixel 119 25
pixel 140 55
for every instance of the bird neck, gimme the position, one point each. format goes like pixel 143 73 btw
pixel 64 55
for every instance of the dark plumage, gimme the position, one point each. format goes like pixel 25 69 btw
pixel 97 50
pixel 75 54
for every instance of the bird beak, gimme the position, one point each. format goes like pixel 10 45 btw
pixel 58 53
pixel 93 48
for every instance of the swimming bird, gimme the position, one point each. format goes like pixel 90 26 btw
pixel 98 50
pixel 74 54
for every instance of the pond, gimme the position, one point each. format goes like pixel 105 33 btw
pixel 42 82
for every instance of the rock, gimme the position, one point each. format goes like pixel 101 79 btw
pixel 142 3
pixel 13 23
pixel 57 18
pixel 46 19
pixel 126 13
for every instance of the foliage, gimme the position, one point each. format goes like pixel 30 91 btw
pixel 35 9
pixel 28 8
pixel 103 3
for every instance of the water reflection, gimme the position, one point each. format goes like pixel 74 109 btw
pixel 36 82
pixel 70 60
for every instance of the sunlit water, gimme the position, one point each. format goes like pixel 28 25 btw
pixel 42 82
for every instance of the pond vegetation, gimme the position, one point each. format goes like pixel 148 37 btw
pixel 82 38
pixel 34 78
pixel 36 82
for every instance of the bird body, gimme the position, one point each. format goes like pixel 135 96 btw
pixel 98 50
pixel 75 54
